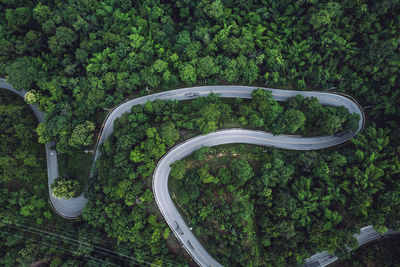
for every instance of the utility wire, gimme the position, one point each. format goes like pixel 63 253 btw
pixel 62 238
pixel 111 245
pixel 69 231
pixel 57 239
pixel 49 245
pixel 91 245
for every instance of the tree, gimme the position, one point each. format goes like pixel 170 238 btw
pixel 41 131
pixel 215 9
pixel 82 135
pixel 200 154
pixel 178 169
pixel 276 172
pixel 169 133
pixel 160 65
pixel 330 124
pixel 18 18
pixel 41 13
pixel 63 187
pixel 205 176
pixel 242 170
pixel 207 67
pixel 353 122
pixel 294 120
pixel 325 16
pixel 30 97
pixel 137 155
pixel 65 36
pixel 21 73
pixel 187 73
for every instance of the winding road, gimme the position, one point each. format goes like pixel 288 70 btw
pixel 67 208
pixel 72 208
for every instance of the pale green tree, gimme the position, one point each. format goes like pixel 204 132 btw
pixel 178 169
pixel 82 135
pixel 30 97
pixel 65 187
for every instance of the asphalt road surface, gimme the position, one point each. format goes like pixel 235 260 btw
pixel 366 235
pixel 68 208
pixel 73 207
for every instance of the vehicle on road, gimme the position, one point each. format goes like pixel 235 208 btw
pixel 73 207
pixel 178 229
pixel 190 244
pixel 191 94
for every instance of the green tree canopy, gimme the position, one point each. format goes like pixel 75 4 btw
pixel 82 135
pixel 65 187
pixel 178 169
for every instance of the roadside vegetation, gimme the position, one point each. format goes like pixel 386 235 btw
pixel 29 228
pixel 79 58
pixel 22 161
pixel 381 253
pixel 268 207
pixel 120 197
pixel 65 187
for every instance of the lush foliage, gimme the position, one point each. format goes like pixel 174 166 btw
pixel 78 57
pixel 23 180
pixel 253 206
pixel 29 229
pixel 64 187
pixel 299 115
pixel 120 197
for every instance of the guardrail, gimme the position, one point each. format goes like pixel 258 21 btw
pixel 367 235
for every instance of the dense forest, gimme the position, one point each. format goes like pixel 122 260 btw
pixel 78 59
pixel 120 198
pixel 30 232
pixel 268 207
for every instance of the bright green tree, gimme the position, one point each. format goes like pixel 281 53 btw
pixel 65 187
pixel 169 133
pixel 178 169
pixel 30 97
pixel 82 135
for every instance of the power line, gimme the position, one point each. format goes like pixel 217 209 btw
pixel 70 241
pixel 74 233
pixel 49 245
pixel 94 247
pixel 111 245
pixel 57 228
pixel 56 239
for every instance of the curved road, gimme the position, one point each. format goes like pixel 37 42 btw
pixel 73 207
pixel 68 208
pixel 366 235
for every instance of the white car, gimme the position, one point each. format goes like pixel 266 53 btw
pixel 191 94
